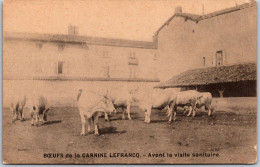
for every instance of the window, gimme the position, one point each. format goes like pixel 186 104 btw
pixel 132 60
pixel 219 58
pixel 105 54
pixel 60 69
pixel 133 65
pixel 61 47
pixel 204 61
pixel 39 45
pixel 73 30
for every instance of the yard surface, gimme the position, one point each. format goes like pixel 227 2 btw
pixel 230 135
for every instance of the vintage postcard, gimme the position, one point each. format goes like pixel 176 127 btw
pixel 129 82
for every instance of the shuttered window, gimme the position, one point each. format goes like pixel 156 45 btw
pixel 60 67
pixel 219 58
pixel 133 65
pixel 132 60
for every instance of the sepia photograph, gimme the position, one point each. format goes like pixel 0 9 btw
pixel 129 82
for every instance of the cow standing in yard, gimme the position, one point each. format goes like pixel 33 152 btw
pixel 121 99
pixel 156 99
pixel 90 106
pixel 191 100
pixel 186 98
pixel 17 107
pixel 205 99
pixel 39 110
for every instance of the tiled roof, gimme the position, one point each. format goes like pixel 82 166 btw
pixel 213 75
pixel 74 39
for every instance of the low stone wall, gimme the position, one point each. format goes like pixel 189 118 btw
pixel 63 93
pixel 236 104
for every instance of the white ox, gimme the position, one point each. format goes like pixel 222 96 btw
pixel 156 99
pixel 90 106
pixel 39 109
pixel 191 99
pixel 205 99
pixel 17 107
pixel 121 98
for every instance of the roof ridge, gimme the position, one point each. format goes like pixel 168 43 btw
pixel 80 39
pixel 93 37
pixel 228 10
pixel 209 15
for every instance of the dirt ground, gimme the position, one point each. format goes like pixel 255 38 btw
pixel 229 135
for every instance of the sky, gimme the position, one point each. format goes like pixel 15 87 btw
pixel 123 19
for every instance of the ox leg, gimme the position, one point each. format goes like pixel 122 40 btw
pixel 148 116
pixel 194 111
pixel 168 111
pixel 14 113
pixel 15 116
pixel 32 116
pixel 123 113
pixel 96 124
pixel 170 119
pixel 106 117
pixel 128 107
pixel 32 122
pixel 174 115
pixel 45 116
pixel 83 123
pixel 22 115
pixel 145 116
pixel 185 110
pixel 209 108
pixel 89 125
pixel 37 118
pixel 190 109
pixel 174 110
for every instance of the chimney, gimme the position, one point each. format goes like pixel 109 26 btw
pixel 178 9
pixel 73 30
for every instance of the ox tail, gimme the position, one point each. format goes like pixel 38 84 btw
pixel 79 94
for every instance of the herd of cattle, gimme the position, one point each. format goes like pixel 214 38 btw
pixel 92 104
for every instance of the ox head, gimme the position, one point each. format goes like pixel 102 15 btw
pixel 198 99
pixel 108 103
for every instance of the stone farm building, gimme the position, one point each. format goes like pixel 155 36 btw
pixel 216 52
pixel 184 42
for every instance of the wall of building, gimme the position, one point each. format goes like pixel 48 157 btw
pixel 175 48
pixel 24 60
pixel 182 44
pixel 31 58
